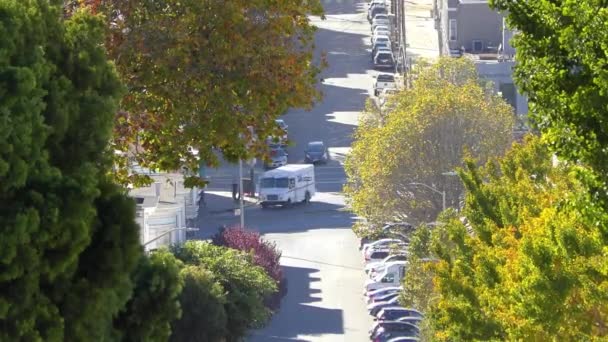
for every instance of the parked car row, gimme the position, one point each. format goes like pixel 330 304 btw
pixel 386 260
pixel 382 46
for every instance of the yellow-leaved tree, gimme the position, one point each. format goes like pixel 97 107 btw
pixel 397 159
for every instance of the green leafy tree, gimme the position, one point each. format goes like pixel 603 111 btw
pixel 561 61
pixel 155 302
pixel 200 74
pixel 69 241
pixel 431 125
pixel 245 284
pixel 202 300
pixel 530 264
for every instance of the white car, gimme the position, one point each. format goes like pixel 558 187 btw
pixel 386 279
pixel 371 3
pixel 382 28
pixel 380 38
pixel 380 16
pixel 373 266
pixel 384 81
pixel 379 244
pixel 383 291
pixel 391 267
pixel 380 21
pixel 379 31
pixel 376 255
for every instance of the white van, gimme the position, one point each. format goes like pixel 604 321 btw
pixel 386 279
pixel 287 185
pixel 389 267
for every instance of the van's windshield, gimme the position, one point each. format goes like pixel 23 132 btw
pixel 268 182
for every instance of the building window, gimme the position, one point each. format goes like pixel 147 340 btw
pixel 477 46
pixel 452 29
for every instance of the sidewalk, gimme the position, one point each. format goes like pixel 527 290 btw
pixel 217 202
pixel 420 33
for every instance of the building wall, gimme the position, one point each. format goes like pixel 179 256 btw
pixel 476 21
pixel 501 74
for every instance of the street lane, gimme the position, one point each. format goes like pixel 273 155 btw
pixel 320 257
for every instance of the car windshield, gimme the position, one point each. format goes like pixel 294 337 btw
pixel 384 55
pixel 385 78
pixel 270 182
pixel 315 147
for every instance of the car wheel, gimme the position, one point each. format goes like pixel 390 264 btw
pixel 307 197
pixel 264 206
pixel 288 204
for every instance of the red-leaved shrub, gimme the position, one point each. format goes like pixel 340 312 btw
pixel 265 254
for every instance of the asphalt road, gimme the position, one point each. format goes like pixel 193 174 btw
pixel 321 259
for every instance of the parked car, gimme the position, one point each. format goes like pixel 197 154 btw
pixel 381 28
pixel 374 266
pixel 385 279
pixel 380 47
pixel 413 320
pixel 406 329
pixel 376 3
pixel 375 9
pixel 380 243
pixel 278 158
pixel 379 21
pixel 374 308
pixel 380 31
pixel 376 255
pixel 282 125
pixel 401 339
pixel 384 298
pixel 395 313
pixel 393 266
pixel 385 336
pixel 384 60
pixel 370 296
pixel 316 152
pixel 381 38
pixel 384 81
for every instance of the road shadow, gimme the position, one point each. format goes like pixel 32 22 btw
pixel 334 7
pixel 296 316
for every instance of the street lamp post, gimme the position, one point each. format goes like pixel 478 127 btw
pixel 442 193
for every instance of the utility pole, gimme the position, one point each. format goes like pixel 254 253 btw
pixel 241 204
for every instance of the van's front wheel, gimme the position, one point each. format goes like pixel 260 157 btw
pixel 288 203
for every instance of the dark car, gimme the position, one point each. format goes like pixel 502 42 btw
pixel 385 297
pixel 380 46
pixel 376 9
pixel 394 313
pixel 384 60
pixel 399 328
pixel 315 152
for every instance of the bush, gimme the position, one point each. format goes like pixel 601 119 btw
pixel 265 254
pixel 154 304
pixel 202 300
pixel 245 285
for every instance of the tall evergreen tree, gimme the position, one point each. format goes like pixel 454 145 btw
pixel 69 241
